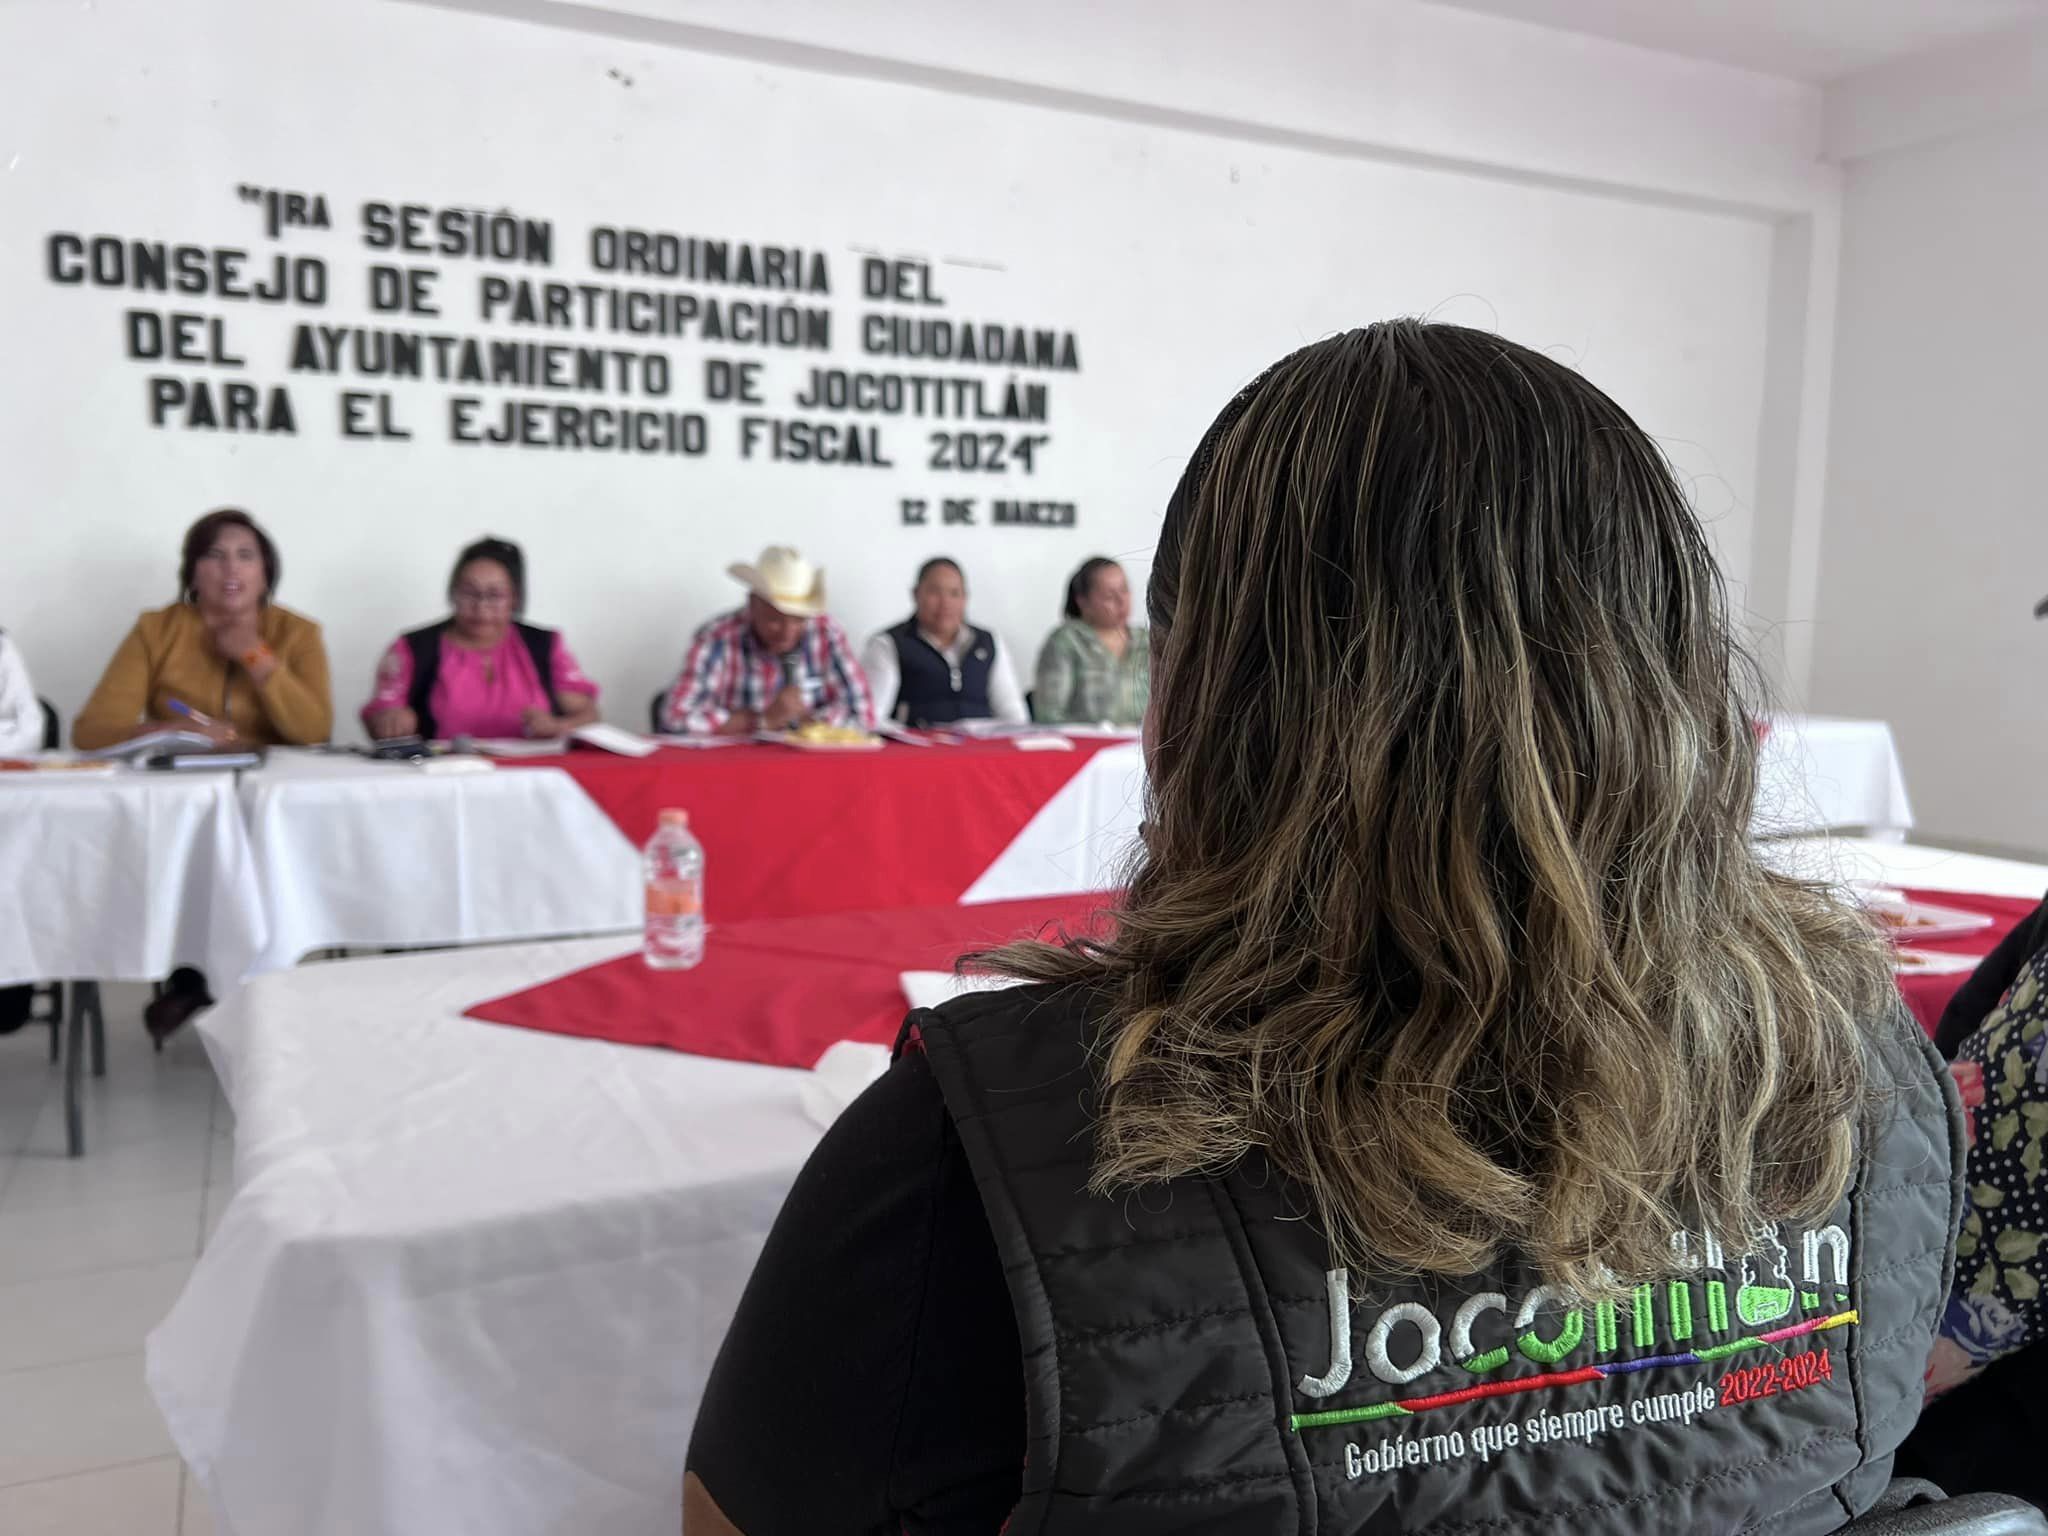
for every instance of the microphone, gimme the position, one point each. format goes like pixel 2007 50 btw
pixel 790 660
pixel 2041 609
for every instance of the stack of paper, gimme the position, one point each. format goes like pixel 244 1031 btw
pixel 611 739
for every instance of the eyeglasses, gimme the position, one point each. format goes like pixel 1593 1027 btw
pixel 482 597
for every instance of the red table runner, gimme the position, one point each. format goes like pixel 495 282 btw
pixel 788 833
pixel 1928 995
pixel 779 991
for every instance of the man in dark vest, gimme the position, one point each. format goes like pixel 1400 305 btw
pixel 935 668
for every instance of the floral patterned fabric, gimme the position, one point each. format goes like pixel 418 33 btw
pixel 2002 1070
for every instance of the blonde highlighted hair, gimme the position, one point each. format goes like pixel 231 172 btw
pixel 1447 899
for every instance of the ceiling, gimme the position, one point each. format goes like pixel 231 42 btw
pixel 1815 40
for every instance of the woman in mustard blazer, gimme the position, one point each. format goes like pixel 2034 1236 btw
pixel 252 672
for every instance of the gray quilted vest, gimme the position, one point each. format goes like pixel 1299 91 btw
pixel 1192 1363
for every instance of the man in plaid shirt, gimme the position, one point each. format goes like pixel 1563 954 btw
pixel 776 663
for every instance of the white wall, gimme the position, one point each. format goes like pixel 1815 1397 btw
pixel 1188 232
pixel 1936 546
pixel 1425 81
pixel 1971 86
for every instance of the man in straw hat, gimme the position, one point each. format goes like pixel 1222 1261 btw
pixel 778 662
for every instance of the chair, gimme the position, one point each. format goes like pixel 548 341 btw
pixel 49 995
pixel 654 724
pixel 53 730
pixel 1911 1507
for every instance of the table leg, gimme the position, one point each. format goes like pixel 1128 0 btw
pixel 99 1030
pixel 74 1055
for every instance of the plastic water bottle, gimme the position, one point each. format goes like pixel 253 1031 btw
pixel 673 862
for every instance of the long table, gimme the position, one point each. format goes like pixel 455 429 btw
pixel 356 855
pixel 128 876
pixel 123 877
pixel 473 1277
pixel 351 853
pixel 120 877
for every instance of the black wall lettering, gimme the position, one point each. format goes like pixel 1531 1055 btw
pixel 562 365
pixel 403 289
pixel 732 381
pixel 165 395
pixel 182 338
pixel 66 258
pixel 378 233
pixel 904 282
pixel 145 334
pixel 369 415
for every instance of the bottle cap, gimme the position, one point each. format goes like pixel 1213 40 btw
pixel 674 817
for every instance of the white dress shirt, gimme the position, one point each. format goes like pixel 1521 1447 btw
pixel 885 676
pixel 21 717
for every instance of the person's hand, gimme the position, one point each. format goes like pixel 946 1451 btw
pixel 741 722
pixel 237 639
pixel 787 709
pixel 388 723
pixel 543 726
pixel 1948 1366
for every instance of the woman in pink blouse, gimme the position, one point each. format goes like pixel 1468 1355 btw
pixel 481 672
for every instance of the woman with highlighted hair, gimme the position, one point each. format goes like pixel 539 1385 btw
pixel 1456 1127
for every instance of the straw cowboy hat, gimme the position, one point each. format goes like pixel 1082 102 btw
pixel 784 580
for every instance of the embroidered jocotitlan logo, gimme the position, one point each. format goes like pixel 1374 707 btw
pixel 1690 1319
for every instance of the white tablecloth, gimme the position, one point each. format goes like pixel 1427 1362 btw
pixel 124 878
pixel 1080 840
pixel 1814 774
pixel 1817 774
pixel 353 853
pixel 472 1278
pixel 359 854
pixel 1843 860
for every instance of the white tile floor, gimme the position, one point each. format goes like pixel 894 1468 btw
pixel 92 1254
